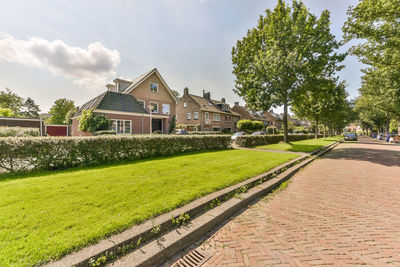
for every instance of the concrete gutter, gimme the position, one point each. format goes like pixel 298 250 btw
pixel 146 247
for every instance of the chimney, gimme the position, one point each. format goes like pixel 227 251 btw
pixel 236 103
pixel 206 95
pixel 186 91
pixel 223 100
pixel 111 87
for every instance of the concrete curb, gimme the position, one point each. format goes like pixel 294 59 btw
pixel 175 240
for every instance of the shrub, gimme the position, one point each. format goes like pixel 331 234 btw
pixel 46 153
pixel 259 140
pixel 157 132
pixel 249 126
pixel 18 132
pixel 272 130
pixel 205 133
pixel 91 122
pixel 108 132
pixel 245 126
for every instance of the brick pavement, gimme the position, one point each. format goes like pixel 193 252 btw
pixel 342 210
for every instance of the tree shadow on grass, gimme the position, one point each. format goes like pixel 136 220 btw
pixel 383 157
pixel 303 148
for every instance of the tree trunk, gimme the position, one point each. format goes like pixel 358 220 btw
pixel 324 130
pixel 316 129
pixel 285 123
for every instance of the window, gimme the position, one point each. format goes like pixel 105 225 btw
pixel 184 104
pixel 121 126
pixel 142 103
pixel 195 115
pixel 228 118
pixel 189 116
pixel 206 129
pixel 154 107
pixel 215 129
pixel 216 117
pixel 165 109
pixel 154 87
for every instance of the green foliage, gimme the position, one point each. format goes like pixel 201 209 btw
pixel 6 112
pixel 376 22
pixel 249 126
pixel 272 130
pixel 183 219
pixel 106 132
pixel 63 211
pixel 10 100
pixel 285 52
pixel 18 154
pixel 249 141
pixel 91 122
pixel 59 111
pixel 70 114
pixel 172 125
pixel 30 109
pixel 18 132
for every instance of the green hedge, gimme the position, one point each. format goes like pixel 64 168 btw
pixel 18 132
pixel 46 153
pixel 259 140
pixel 205 133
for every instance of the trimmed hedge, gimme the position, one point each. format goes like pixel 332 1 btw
pixel 259 140
pixel 204 132
pixel 46 153
pixel 18 132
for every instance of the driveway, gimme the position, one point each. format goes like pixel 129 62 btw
pixel 341 210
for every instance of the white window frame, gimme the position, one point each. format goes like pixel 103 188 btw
pixel 123 126
pixel 151 90
pixel 169 108
pixel 184 104
pixel 196 115
pixel 144 103
pixel 151 110
pixel 214 117
pixel 188 116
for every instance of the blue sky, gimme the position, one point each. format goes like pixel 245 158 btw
pixel 55 49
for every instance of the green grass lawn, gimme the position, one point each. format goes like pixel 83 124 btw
pixel 308 145
pixel 47 215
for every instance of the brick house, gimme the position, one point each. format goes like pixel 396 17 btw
pixel 207 114
pixel 141 106
pixel 246 114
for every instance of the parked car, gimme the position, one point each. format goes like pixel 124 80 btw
pixel 259 133
pixel 350 137
pixel 236 135
pixel 180 131
pixel 379 136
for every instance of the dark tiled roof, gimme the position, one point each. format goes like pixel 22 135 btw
pixel 211 105
pixel 113 101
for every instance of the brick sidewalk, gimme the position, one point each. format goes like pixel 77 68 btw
pixel 341 210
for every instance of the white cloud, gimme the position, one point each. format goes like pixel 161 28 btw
pixel 88 67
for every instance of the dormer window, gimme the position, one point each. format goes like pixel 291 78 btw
pixel 154 87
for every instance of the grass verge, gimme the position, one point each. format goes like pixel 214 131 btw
pixel 308 145
pixel 50 214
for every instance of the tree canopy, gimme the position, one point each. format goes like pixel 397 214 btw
pixel 277 61
pixel 59 111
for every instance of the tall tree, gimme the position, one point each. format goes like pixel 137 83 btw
pixel 30 109
pixel 9 99
pixel 376 22
pixel 287 48
pixel 59 111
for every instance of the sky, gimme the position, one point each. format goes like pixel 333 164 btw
pixel 71 49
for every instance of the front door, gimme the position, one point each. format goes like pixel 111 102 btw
pixel 156 125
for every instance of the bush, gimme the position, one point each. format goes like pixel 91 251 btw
pixel 46 153
pixel 92 122
pixel 157 132
pixel 108 132
pixel 272 130
pixel 249 126
pixel 205 133
pixel 259 140
pixel 18 132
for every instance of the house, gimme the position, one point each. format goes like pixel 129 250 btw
pixel 141 106
pixel 246 114
pixel 273 118
pixel 207 114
